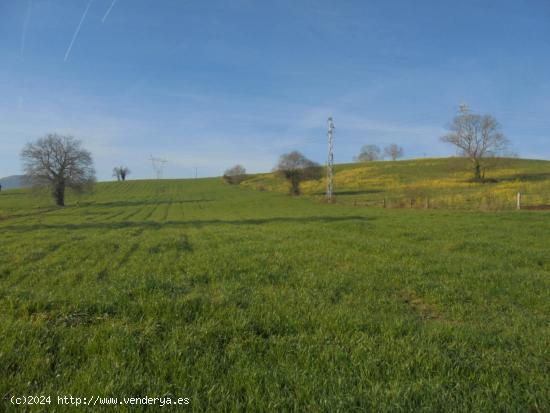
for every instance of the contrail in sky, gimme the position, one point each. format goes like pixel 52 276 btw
pixel 77 30
pixel 25 26
pixel 108 11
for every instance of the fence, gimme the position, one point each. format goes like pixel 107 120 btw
pixel 490 202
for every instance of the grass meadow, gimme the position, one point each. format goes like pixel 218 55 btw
pixel 247 300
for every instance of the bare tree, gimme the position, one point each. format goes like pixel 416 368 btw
pixel 295 168
pixel 121 172
pixel 476 137
pixel 124 172
pixel 235 175
pixel 58 162
pixel 393 151
pixel 368 153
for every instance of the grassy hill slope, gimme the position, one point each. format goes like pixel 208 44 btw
pixel 445 182
pixel 257 301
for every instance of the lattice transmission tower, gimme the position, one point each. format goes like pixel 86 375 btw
pixel 158 165
pixel 330 161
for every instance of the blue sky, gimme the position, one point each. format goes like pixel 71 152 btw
pixel 209 83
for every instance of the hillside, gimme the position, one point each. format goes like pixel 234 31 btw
pixel 442 182
pixel 243 300
pixel 13 182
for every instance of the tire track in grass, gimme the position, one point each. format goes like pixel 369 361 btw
pixel 151 212
pixel 119 256
pixel 107 246
pixel 132 214
pixel 182 210
pixel 43 213
pixel 101 249
pixel 34 255
pixel 61 254
pixel 166 211
pixel 66 256
pixel 176 213
pixel 127 255
pixel 158 216
pixel 123 255
pixel 115 215
pixel 165 250
pixel 37 256
pixel 172 244
pixel 140 242
pixel 162 247
pixel 40 213
pixel 101 216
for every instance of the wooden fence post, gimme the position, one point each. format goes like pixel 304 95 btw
pixel 518 201
pixel 384 202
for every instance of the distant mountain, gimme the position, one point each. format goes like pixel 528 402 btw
pixel 14 181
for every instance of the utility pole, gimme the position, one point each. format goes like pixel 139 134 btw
pixel 330 161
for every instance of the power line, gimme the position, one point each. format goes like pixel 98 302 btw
pixel 158 165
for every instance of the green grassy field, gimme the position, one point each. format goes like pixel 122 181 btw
pixel 245 300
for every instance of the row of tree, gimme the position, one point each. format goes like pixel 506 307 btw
pixel 371 153
pixel 60 162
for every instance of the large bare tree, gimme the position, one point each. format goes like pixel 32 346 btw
pixel 369 153
pixel 58 162
pixel 393 151
pixel 476 137
pixel 295 168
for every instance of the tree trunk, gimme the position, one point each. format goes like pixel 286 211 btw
pixel 295 182
pixel 477 172
pixel 59 193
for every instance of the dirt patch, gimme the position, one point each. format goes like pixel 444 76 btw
pixel 420 306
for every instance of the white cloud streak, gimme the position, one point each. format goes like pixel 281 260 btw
pixel 25 28
pixel 77 31
pixel 108 11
